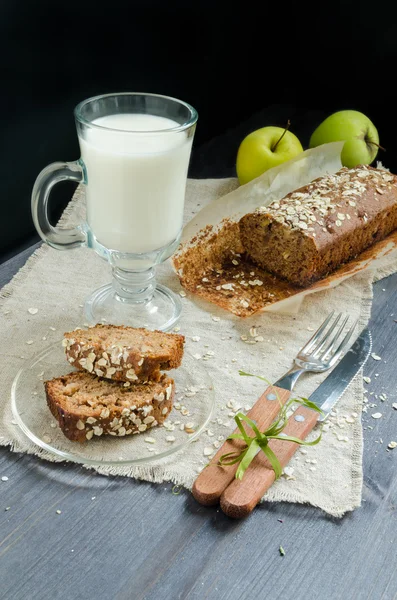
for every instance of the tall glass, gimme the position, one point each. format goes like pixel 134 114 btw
pixel 135 152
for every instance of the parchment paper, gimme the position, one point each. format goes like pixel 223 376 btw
pixel 217 221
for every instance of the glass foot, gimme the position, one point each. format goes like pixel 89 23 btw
pixel 160 312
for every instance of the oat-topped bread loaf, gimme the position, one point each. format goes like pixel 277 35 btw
pixel 123 353
pixel 87 406
pixel 315 229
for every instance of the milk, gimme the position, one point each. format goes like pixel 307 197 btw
pixel 136 180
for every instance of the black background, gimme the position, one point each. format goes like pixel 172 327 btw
pixel 242 66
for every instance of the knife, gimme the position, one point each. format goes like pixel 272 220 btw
pixel 241 496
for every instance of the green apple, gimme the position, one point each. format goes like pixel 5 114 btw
pixel 263 149
pixel 359 133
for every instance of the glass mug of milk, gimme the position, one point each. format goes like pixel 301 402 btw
pixel 135 152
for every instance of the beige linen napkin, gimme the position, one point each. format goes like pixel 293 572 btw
pixel 328 476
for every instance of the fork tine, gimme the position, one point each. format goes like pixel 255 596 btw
pixel 328 339
pixel 313 340
pixel 343 345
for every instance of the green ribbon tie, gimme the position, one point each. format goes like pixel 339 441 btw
pixel 260 440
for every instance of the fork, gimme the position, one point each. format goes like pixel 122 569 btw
pixel 320 353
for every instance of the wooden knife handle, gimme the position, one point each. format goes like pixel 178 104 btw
pixel 241 496
pixel 214 479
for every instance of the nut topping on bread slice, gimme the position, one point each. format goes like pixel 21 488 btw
pixel 123 353
pixel 87 406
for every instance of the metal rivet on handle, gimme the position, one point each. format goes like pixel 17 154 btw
pixel 271 397
pixel 299 418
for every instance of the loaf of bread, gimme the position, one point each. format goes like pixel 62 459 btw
pixel 123 353
pixel 87 406
pixel 317 228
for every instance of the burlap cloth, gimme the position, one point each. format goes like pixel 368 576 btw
pixel 328 476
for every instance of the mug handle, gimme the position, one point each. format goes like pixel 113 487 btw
pixel 61 239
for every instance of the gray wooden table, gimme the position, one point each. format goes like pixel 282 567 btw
pixel 122 539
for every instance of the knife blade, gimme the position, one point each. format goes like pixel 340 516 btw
pixel 241 496
pixel 333 386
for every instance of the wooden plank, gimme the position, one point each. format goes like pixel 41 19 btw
pixel 12 265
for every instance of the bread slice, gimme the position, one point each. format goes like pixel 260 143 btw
pixel 87 406
pixel 123 353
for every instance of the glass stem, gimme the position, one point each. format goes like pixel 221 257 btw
pixel 134 286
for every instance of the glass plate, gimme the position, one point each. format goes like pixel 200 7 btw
pixel 193 390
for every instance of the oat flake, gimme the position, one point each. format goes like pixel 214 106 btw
pixel 288 471
pixel 377 415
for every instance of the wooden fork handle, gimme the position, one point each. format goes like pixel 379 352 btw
pixel 214 479
pixel 241 496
